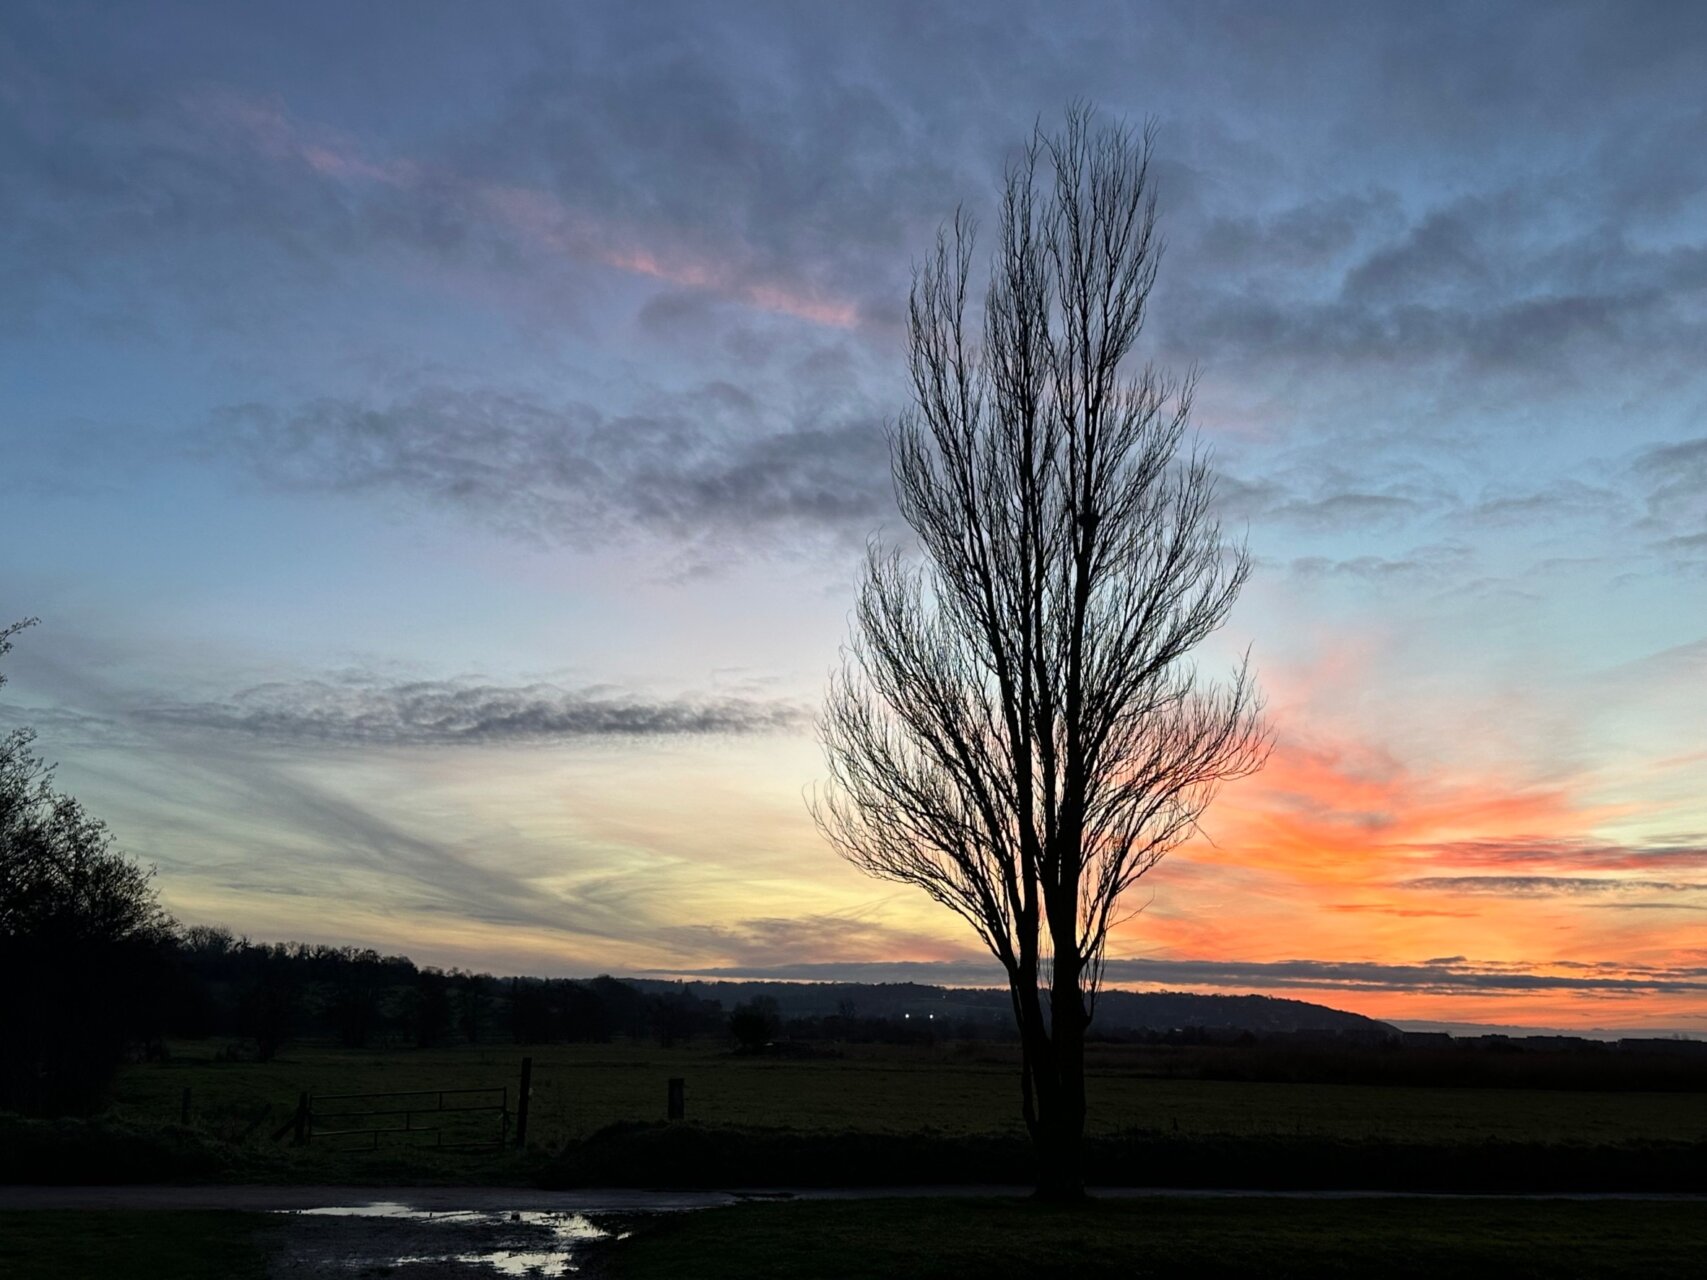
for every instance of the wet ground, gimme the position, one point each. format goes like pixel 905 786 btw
pixel 396 1240
pixel 425 1233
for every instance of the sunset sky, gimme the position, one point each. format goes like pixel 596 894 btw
pixel 440 444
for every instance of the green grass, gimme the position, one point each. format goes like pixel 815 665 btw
pixel 579 1089
pixel 141 1244
pixel 951 1092
pixel 996 1239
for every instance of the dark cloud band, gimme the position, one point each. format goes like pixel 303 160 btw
pixel 1449 976
pixel 691 467
pixel 428 713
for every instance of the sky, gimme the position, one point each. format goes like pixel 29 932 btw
pixel 440 443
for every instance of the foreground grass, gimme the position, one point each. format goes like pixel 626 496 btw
pixel 986 1239
pixel 994 1239
pixel 946 1095
pixel 578 1089
pixel 140 1244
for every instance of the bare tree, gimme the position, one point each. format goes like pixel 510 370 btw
pixel 1016 728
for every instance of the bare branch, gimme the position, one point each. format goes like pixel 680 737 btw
pixel 1017 729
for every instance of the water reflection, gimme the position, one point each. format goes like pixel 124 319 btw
pixel 522 1243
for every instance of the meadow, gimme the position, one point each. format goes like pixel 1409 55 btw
pixel 890 1115
pixel 581 1088
pixel 912 1098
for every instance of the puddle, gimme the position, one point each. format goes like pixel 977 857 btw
pixel 389 1237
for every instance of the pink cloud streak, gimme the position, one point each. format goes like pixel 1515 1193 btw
pixel 527 212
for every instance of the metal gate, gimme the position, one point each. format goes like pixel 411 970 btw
pixel 447 1118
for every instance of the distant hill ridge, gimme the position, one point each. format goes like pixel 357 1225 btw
pixel 1116 1011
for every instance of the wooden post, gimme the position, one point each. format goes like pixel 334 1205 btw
pixel 522 1104
pixel 302 1118
pixel 184 1107
pixel 678 1098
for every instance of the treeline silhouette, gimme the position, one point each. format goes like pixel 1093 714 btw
pixel 262 996
pixel 94 971
pixel 265 995
pixel 89 1008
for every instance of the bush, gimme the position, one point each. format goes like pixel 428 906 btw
pixel 73 1152
pixel 755 1023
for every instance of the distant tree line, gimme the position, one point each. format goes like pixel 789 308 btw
pixel 96 971
pixel 265 995
pixel 84 944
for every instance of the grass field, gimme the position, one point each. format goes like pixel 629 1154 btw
pixel 581 1088
pixel 998 1240
pixel 938 1095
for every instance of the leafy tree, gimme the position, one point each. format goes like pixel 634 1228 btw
pixel 471 1002
pixel 83 938
pixel 754 1023
pixel 432 1008
pixel 1017 729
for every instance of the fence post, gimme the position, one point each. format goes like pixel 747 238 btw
pixel 184 1108
pixel 302 1118
pixel 522 1104
pixel 678 1098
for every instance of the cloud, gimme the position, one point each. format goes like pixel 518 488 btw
pixel 972 973
pixel 1649 906
pixel 1531 281
pixel 1454 977
pixel 1348 510
pixel 781 941
pixel 1403 913
pixel 1434 564
pixel 1548 886
pixel 445 713
pixel 1562 499
pixel 690 465
pixel 1556 852
pixel 1675 477
pixel 637 155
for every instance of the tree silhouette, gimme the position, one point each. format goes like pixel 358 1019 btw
pixel 83 939
pixel 1016 728
pixel 754 1023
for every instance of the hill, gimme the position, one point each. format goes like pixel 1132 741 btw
pixel 1117 1012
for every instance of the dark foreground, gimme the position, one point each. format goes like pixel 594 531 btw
pixel 986 1238
pixel 997 1239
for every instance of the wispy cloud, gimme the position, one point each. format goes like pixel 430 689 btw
pixel 1448 976
pixel 1435 976
pixel 444 712
pixel 1687 852
pixel 690 467
pixel 544 221
pixel 1547 886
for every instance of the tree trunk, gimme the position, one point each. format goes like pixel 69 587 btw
pixel 1054 1055
pixel 1061 1171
